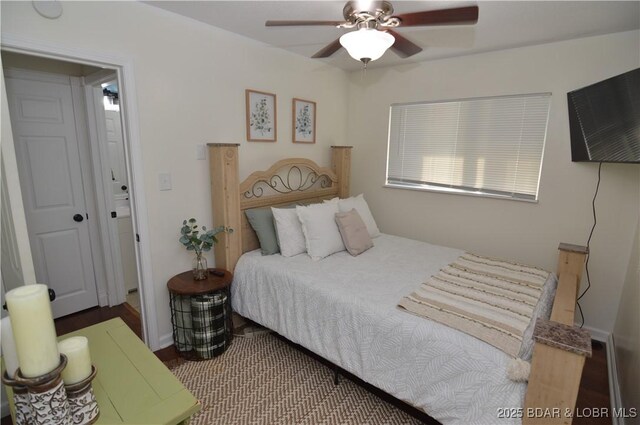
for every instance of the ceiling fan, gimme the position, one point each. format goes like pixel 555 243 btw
pixel 374 20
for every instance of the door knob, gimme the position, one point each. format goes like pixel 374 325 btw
pixel 78 218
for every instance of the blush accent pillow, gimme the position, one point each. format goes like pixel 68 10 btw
pixel 321 234
pixel 288 231
pixel 359 203
pixel 354 232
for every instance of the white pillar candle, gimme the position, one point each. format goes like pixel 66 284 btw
pixel 78 366
pixel 9 353
pixel 33 329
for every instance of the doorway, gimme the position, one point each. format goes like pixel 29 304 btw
pixel 105 93
pixel 61 137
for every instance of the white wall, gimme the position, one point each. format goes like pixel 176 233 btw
pixel 190 82
pixel 519 231
pixel 627 333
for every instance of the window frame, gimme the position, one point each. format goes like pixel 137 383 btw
pixel 485 193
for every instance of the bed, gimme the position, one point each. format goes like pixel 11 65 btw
pixel 353 320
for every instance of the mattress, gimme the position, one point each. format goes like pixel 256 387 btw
pixel 344 309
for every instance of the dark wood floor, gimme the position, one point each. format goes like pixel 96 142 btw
pixel 89 317
pixel 594 387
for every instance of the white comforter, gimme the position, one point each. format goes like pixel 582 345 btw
pixel 344 309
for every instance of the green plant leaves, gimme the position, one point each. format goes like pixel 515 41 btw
pixel 197 241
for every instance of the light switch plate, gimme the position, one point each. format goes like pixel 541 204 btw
pixel 164 181
pixel 201 152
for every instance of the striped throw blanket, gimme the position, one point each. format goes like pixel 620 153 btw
pixel 489 299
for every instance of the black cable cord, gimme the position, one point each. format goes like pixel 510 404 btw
pixel 595 221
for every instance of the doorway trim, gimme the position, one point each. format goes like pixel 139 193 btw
pixel 105 202
pixel 124 68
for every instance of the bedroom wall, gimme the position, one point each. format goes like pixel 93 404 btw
pixel 626 332
pixel 520 231
pixel 190 81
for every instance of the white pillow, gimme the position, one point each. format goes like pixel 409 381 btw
pixel 320 229
pixel 362 207
pixel 288 231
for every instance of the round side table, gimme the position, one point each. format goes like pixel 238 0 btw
pixel 201 314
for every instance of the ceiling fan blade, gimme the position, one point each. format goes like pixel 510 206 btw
pixel 327 51
pixel 457 16
pixel 402 46
pixel 301 23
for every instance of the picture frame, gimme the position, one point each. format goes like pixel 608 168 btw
pixel 304 121
pixel 262 116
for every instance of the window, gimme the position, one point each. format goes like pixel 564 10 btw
pixel 485 146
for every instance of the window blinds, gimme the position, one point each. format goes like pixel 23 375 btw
pixel 490 146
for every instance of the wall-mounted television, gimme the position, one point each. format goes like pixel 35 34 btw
pixel 604 120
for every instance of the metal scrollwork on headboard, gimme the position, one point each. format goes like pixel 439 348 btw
pixel 287 176
pixel 293 181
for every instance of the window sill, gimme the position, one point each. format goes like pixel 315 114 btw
pixel 451 191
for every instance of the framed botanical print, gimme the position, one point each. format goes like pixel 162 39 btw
pixel 304 121
pixel 261 116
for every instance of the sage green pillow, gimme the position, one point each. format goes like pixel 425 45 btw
pixel 261 220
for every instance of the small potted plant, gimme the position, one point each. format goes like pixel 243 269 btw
pixel 195 240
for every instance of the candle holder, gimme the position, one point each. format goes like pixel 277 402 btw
pixel 82 401
pixel 47 396
pixel 23 411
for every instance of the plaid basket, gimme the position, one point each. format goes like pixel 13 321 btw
pixel 209 319
pixel 181 320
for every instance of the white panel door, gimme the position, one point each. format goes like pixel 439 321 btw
pixel 115 148
pixel 44 131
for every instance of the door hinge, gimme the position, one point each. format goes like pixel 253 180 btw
pixel 137 237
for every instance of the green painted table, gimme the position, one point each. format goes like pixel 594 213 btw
pixel 132 385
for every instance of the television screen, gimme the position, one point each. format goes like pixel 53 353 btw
pixel 604 119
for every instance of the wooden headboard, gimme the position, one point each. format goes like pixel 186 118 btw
pixel 291 180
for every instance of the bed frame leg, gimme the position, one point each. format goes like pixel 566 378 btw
pixel 336 375
pixel 555 376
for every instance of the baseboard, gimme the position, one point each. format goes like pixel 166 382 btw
pixel 103 299
pixel 165 340
pixel 598 334
pixel 612 371
pixel 614 385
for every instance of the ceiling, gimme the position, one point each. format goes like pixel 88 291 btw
pixel 501 25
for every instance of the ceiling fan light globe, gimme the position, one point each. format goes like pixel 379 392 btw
pixel 366 43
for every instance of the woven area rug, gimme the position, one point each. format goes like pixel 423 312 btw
pixel 263 380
